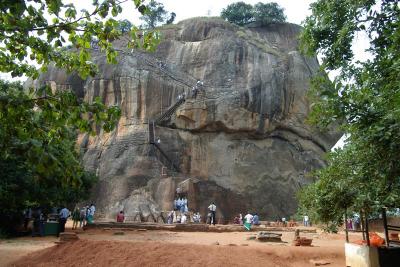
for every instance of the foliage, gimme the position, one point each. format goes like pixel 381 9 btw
pixel 268 13
pixel 241 13
pixel 37 30
pixel 238 13
pixel 124 26
pixel 364 100
pixel 38 159
pixel 155 15
pixel 171 18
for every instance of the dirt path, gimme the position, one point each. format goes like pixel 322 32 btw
pixel 122 253
pixel 13 249
pixel 156 248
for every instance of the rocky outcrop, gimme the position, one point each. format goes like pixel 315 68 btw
pixel 241 142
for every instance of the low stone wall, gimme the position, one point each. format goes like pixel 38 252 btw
pixel 190 227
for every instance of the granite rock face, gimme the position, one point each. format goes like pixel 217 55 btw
pixel 241 142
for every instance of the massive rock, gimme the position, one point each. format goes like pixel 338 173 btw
pixel 241 142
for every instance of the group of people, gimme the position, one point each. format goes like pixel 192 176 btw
pixel 79 217
pixel 176 217
pixel 181 204
pixel 248 220
pixel 353 223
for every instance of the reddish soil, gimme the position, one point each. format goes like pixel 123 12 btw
pixel 87 252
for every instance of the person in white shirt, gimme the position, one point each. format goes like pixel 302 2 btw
pixel 305 219
pixel 91 212
pixel 212 208
pixel 64 214
pixel 183 218
pixel 248 221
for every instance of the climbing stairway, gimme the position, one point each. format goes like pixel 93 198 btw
pixel 167 114
pixel 171 164
pixel 162 155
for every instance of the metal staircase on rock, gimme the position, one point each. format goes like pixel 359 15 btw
pixel 167 114
pixel 163 156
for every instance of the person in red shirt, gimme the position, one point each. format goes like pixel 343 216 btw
pixel 121 217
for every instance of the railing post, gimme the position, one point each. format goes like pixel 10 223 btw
pixel 366 229
pixel 385 227
pixel 362 225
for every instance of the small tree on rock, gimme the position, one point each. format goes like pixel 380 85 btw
pixel 155 15
pixel 238 13
pixel 268 13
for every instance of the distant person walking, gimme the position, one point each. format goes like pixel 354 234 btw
pixel 248 220
pixel 306 220
pixel 212 208
pixel 121 217
pixel 64 214
pixel 75 218
pixel 82 217
pixel 91 212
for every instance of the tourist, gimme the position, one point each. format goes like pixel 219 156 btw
pixel 75 218
pixel 284 222
pixel 248 221
pixel 175 219
pixel 349 224
pixel 236 220
pixel 42 222
pixel 196 217
pixel 82 217
pixel 121 217
pixel 182 207
pixel 305 220
pixel 178 218
pixel 179 204
pixel 92 210
pixel 27 218
pixel 356 220
pixel 35 226
pixel 185 205
pixel 183 218
pixel 256 220
pixel 87 214
pixel 170 217
pixel 241 220
pixel 212 208
pixel 64 214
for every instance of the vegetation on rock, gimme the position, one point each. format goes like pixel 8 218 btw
pixel 241 13
pixel 156 14
pixel 364 99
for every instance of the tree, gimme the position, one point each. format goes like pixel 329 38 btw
pixel 171 18
pixel 268 13
pixel 124 26
pixel 241 13
pixel 238 13
pixel 364 100
pixel 38 30
pixel 38 159
pixel 155 15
